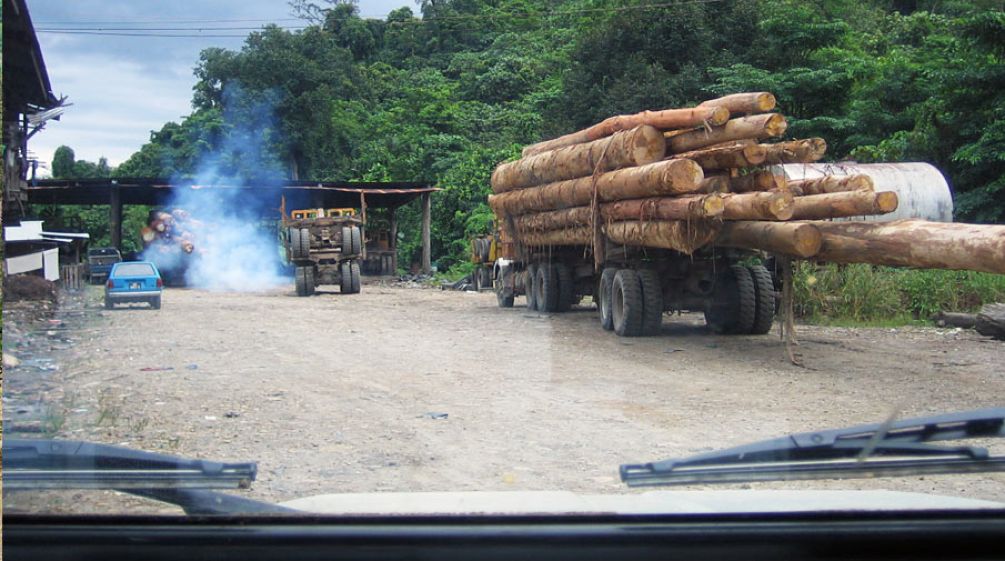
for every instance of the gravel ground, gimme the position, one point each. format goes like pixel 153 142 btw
pixel 403 389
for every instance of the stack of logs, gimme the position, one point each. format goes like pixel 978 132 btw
pixel 683 179
pixel 170 231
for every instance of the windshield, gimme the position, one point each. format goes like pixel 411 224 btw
pixel 510 256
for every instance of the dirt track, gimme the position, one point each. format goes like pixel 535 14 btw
pixel 344 393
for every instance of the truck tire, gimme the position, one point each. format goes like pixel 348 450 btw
pixel 300 280
pixel 305 243
pixel 604 288
pixel 295 244
pixel 530 284
pixel 486 281
pixel 500 289
pixel 764 297
pixel 486 250
pixel 733 304
pixel 108 304
pixel 345 277
pixel 652 302
pixel 356 236
pixel 566 287
pixel 547 296
pixel 346 241
pixel 354 277
pixel 626 303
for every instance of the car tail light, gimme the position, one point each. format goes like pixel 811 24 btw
pixel 111 283
pixel 160 283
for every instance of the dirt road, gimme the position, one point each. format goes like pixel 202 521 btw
pixel 402 389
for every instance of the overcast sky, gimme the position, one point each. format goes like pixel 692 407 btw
pixel 123 87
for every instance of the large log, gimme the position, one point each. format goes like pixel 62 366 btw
pixel 795 151
pixel 666 119
pixel 669 177
pixel 991 321
pixel 727 157
pixel 718 183
pixel 787 238
pixel 754 127
pixel 840 205
pixel 682 236
pixel 955 319
pixel 915 243
pixel 758 206
pixel 639 146
pixel 831 184
pixel 752 102
pixel 680 208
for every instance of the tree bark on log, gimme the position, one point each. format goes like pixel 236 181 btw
pixel 991 321
pixel 667 119
pixel 831 184
pixel 794 151
pixel 751 102
pixel 754 127
pixel 758 206
pixel 757 181
pixel 727 157
pixel 685 237
pixel 680 208
pixel 915 243
pixel 787 238
pixel 840 205
pixel 669 177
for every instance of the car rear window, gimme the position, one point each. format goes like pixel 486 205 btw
pixel 134 270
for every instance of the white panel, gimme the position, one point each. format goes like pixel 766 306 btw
pixel 24 263
pixel 50 257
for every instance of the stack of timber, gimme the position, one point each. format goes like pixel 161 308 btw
pixel 685 179
pixel 170 231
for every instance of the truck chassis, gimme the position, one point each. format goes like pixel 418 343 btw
pixel 324 250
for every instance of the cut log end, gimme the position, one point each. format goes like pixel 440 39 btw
pixel 886 201
pixel 648 145
pixel 719 116
pixel 776 125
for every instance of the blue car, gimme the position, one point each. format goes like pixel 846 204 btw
pixel 134 281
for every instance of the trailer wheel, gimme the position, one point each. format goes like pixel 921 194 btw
pixel 652 302
pixel 486 277
pixel 604 288
pixel 305 243
pixel 295 244
pixel 530 285
pixel 300 280
pixel 627 303
pixel 486 250
pixel 731 309
pixel 346 241
pixel 354 277
pixel 566 287
pixel 547 288
pixel 345 277
pixel 764 297
pixel 356 236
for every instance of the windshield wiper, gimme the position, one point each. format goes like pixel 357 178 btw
pixel 876 450
pixel 67 464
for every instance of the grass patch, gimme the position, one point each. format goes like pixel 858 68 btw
pixel 862 294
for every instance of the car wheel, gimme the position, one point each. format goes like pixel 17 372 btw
pixel 108 304
pixel 155 302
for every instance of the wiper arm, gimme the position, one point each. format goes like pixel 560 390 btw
pixel 67 464
pixel 875 450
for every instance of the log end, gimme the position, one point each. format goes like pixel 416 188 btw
pixel 755 154
pixel 776 125
pixel 712 205
pixel 806 240
pixel 682 176
pixel 764 101
pixel 781 205
pixel 886 201
pixel 718 116
pixel 648 145
pixel 861 183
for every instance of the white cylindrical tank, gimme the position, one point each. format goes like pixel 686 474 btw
pixel 921 188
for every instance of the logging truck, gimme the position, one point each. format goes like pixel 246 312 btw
pixel 324 246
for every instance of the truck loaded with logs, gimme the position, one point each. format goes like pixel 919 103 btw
pixel 324 246
pixel 674 210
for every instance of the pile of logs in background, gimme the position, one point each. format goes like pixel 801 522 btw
pixel 683 179
pixel 170 231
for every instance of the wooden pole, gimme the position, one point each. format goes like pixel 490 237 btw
pixel 427 266
pixel 839 205
pixel 669 177
pixel 755 126
pixel 915 243
pixel 799 239
pixel 639 146
pixel 666 119
pixel 739 103
pixel 115 216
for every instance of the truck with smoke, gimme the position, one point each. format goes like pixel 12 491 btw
pixel 169 241
pixel 324 246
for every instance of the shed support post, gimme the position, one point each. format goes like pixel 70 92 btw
pixel 426 219
pixel 115 217
pixel 394 239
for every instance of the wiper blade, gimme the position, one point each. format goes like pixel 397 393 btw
pixel 874 450
pixel 68 464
